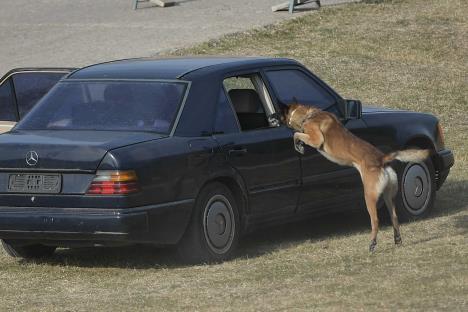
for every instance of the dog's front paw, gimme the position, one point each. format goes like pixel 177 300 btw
pixel 299 146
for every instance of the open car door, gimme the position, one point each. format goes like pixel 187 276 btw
pixel 22 88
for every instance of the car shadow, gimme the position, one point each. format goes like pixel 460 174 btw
pixel 451 200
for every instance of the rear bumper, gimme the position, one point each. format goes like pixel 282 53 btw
pixel 444 160
pixel 157 224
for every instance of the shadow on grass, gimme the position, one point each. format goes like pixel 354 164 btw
pixel 451 200
pixel 128 257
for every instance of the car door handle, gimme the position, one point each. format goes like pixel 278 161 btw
pixel 237 151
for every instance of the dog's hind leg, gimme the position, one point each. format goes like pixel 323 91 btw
pixel 389 197
pixel 371 181
pixel 371 203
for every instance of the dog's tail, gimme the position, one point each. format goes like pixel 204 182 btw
pixel 409 155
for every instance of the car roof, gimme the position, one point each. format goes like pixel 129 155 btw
pixel 170 68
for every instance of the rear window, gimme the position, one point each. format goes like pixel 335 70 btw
pixel 108 105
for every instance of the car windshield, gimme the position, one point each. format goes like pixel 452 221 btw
pixel 107 105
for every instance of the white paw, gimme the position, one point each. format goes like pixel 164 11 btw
pixel 299 146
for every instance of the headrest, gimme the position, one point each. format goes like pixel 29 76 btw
pixel 245 100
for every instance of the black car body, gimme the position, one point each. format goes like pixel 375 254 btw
pixel 223 165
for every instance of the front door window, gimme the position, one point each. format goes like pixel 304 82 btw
pixel 292 85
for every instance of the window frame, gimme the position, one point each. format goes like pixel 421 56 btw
pixel 264 94
pixel 309 74
pixel 180 108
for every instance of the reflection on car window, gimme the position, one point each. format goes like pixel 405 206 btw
pixel 108 105
pixel 293 85
pixel 7 109
pixel 225 118
pixel 30 88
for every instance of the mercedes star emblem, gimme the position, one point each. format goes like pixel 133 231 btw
pixel 32 158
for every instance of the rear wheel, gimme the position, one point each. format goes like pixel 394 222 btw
pixel 213 232
pixel 417 190
pixel 27 251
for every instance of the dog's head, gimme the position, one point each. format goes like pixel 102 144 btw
pixel 289 113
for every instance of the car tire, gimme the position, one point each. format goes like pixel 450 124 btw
pixel 33 251
pixel 416 190
pixel 213 231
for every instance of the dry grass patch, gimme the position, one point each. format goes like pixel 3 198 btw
pixel 406 54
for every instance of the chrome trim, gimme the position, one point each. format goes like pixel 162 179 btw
pixel 93 211
pixel 181 108
pixel 123 79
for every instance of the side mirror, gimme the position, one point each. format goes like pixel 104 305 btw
pixel 350 109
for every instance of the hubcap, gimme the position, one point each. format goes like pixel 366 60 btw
pixel 416 188
pixel 219 225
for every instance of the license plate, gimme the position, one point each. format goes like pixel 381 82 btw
pixel 35 183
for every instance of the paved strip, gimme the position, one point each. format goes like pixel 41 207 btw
pixel 80 32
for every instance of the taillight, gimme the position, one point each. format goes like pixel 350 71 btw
pixel 109 182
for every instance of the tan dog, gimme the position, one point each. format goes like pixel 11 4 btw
pixel 323 131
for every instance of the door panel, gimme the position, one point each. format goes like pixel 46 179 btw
pixel 326 184
pixel 269 165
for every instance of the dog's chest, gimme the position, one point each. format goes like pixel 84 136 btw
pixel 333 159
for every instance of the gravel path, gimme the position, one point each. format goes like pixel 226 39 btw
pixel 80 32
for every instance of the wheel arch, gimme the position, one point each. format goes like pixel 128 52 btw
pixel 424 142
pixel 420 141
pixel 237 186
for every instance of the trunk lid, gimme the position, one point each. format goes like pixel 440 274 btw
pixel 63 150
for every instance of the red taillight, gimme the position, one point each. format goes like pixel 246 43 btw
pixel 114 183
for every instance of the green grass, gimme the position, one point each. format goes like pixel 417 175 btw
pixel 405 54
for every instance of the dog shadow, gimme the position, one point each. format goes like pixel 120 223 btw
pixel 451 200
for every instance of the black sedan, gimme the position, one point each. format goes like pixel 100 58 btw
pixel 190 152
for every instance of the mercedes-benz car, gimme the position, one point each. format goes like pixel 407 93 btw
pixel 190 152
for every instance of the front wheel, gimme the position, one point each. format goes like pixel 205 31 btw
pixel 417 190
pixel 28 251
pixel 213 232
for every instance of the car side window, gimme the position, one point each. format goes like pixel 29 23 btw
pixel 249 101
pixel 7 107
pixel 30 87
pixel 226 121
pixel 293 85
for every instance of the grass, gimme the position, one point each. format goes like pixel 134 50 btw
pixel 405 54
